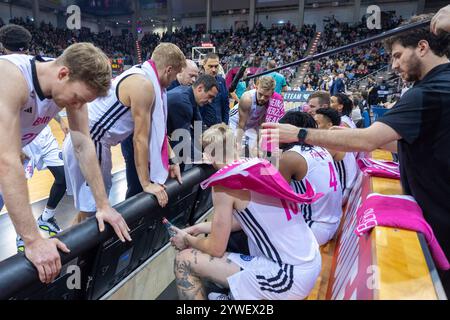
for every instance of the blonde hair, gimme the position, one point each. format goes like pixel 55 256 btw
pixel 267 83
pixel 168 54
pixel 219 141
pixel 87 64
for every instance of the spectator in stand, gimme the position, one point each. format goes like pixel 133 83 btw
pixel 338 85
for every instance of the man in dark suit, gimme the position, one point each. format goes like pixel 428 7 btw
pixel 184 103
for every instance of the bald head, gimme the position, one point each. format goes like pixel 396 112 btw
pixel 272 64
pixel 189 74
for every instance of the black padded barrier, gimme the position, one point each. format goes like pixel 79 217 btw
pixel 91 251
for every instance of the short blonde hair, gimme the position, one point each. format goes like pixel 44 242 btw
pixel 267 83
pixel 87 64
pixel 219 137
pixel 168 54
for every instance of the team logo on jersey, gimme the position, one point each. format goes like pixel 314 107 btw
pixel 60 155
pixel 246 258
pixel 41 120
pixel 29 110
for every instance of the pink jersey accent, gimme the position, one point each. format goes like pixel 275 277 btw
pixel 260 176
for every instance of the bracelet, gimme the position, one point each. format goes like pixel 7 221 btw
pixel 171 162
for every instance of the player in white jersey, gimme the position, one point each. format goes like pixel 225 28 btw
pixel 345 162
pixel 284 260
pixel 252 111
pixel 301 162
pixel 34 91
pixel 342 103
pixel 136 102
pixel 44 153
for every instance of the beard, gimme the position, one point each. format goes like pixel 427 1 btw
pixel 259 103
pixel 414 66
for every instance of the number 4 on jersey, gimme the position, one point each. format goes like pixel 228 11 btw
pixel 333 180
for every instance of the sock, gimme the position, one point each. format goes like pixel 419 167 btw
pixel 48 214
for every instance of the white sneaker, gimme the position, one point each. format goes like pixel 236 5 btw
pixel 218 296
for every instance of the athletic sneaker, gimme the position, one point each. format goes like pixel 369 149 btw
pixel 49 226
pixel 218 296
pixel 20 245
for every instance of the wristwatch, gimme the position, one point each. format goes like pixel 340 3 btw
pixel 172 162
pixel 302 135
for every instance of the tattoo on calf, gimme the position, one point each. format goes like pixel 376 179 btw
pixel 189 285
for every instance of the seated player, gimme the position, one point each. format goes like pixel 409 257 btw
pixel 284 260
pixel 300 163
pixel 345 162
pixel 342 104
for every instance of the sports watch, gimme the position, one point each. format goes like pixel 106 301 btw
pixel 302 135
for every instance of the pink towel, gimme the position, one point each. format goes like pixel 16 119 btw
pixel 260 176
pixel 398 212
pixel 379 168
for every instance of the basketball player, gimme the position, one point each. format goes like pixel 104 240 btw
pixel 136 102
pixel 43 152
pixel 345 162
pixel 34 91
pixel 341 103
pixel 301 162
pixel 251 111
pixel 278 246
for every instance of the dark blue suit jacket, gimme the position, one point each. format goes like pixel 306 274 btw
pixel 219 110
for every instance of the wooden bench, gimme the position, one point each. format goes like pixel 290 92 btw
pixel 386 264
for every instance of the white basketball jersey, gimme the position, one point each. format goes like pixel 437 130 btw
pixel 257 112
pixel 38 110
pixel 347 170
pixel 110 121
pixel 323 177
pixel 348 121
pixel 276 229
pixel 254 118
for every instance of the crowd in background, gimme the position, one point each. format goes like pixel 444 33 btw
pixel 283 43
pixel 355 63
pixel 280 43
pixel 50 41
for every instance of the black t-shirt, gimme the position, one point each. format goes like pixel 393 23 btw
pixel 422 118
